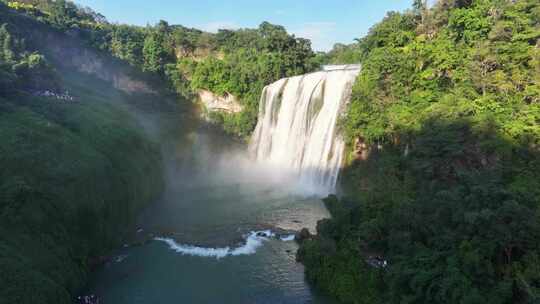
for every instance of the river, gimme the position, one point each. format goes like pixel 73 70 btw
pixel 221 233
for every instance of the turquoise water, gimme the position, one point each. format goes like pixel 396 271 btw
pixel 213 202
pixel 156 274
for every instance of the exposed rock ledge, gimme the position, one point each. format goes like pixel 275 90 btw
pixel 215 103
pixel 88 62
pixel 69 53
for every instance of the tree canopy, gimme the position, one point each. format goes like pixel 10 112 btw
pixel 239 62
pixel 444 134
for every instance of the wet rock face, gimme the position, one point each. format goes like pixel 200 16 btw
pixel 215 103
pixel 361 149
pixel 71 55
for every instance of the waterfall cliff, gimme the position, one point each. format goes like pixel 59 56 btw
pixel 296 130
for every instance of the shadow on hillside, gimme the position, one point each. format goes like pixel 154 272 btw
pixel 453 209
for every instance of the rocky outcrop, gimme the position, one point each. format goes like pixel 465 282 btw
pixel 70 54
pixel 215 103
pixel 361 149
pixel 130 85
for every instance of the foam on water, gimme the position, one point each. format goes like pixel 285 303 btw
pixel 287 238
pixel 253 241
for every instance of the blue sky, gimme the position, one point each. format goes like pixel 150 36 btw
pixel 323 22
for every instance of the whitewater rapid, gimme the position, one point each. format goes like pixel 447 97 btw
pixel 253 241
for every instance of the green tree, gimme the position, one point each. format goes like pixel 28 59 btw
pixel 127 43
pixel 156 51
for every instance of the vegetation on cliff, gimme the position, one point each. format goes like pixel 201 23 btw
pixel 75 168
pixel 21 69
pixel 239 62
pixel 441 193
pixel 441 200
pixel 252 59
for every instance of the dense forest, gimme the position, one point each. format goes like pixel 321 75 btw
pixel 75 168
pixel 239 62
pixel 440 198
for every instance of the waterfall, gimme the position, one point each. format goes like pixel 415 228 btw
pixel 296 130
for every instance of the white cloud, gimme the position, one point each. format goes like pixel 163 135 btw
pixel 320 34
pixel 214 26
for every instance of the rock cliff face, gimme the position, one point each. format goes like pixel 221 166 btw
pixel 90 62
pixel 215 103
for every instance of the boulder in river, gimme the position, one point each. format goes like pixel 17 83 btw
pixel 262 234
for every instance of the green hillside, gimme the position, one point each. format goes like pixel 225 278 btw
pixel 75 168
pixel 444 169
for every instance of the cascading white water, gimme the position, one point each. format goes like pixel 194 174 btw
pixel 296 130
